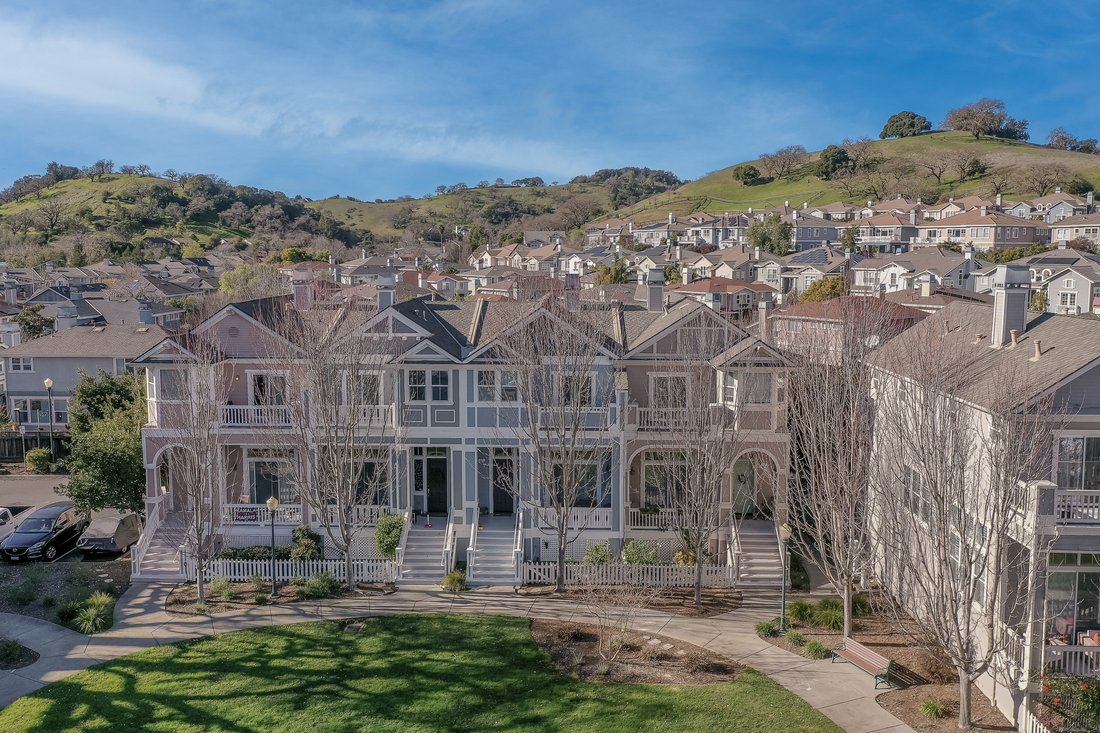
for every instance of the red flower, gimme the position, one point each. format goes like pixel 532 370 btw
pixel 1084 685
pixel 1056 701
pixel 1046 688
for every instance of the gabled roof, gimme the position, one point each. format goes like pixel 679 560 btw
pixel 120 342
pixel 847 307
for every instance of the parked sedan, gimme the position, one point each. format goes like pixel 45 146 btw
pixel 110 531
pixel 44 532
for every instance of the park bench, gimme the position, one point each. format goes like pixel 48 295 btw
pixel 869 661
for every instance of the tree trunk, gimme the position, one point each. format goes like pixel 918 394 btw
pixel 349 572
pixel 562 536
pixel 964 699
pixel 846 593
pixel 698 578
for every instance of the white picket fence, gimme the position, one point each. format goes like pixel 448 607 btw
pixel 667 576
pixel 366 571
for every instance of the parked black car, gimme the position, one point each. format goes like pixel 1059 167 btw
pixel 110 531
pixel 43 533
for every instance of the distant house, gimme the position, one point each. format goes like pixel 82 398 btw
pixel 824 323
pixel 727 296
pixel 1081 226
pixel 907 270
pixel 64 357
pixel 984 229
pixel 1073 291
pixel 886 231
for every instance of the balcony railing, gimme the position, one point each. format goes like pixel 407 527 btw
pixel 662 418
pixel 256 416
pixel 653 519
pixel 579 517
pixel 259 514
pixel 362 515
pixel 585 418
pixel 1076 506
pixel 1073 661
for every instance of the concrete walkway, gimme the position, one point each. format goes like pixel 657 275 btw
pixel 840 691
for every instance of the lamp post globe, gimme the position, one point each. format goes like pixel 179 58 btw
pixel 48 384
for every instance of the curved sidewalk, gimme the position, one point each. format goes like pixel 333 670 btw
pixel 840 691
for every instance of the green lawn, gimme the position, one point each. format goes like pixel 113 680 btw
pixel 402 674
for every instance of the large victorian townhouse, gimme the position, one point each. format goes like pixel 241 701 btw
pixel 456 454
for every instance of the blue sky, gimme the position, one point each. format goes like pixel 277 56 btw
pixel 379 99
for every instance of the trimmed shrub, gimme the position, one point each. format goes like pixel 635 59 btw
pixel 38 460
pixel 695 662
pixel 260 599
pixel 305 550
pixel 255 552
pixel 99 599
pixel 597 555
pixel 302 533
pixel 218 586
pixel 638 552
pixel 91 619
pixel 817 650
pixel 68 611
pixel 10 651
pixel 932 709
pixel 683 557
pixel 321 585
pixel 387 534
pixel 861 605
pixel 800 612
pixel 795 637
pixel 829 614
pixel 454 581
pixel 766 629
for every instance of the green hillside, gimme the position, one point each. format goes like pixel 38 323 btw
pixel 453 208
pixel 718 191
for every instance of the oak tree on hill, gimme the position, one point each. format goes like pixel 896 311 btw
pixel 905 124
pixel 747 174
pixel 983 117
pixel 831 160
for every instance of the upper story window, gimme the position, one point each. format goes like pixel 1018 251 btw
pixel 172 385
pixel 441 385
pixel 22 364
pixel 668 390
pixel 496 386
pixel 575 389
pixel 757 387
pixel 418 390
pixel 364 388
pixel 1079 463
pixel 267 389
pixel 1067 283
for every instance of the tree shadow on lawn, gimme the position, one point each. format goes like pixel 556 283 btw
pixel 400 673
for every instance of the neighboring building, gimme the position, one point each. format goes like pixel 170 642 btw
pixel 907 270
pixel 65 357
pixel 735 297
pixel 984 229
pixel 824 324
pixel 886 232
pixel 1073 291
pixel 1081 226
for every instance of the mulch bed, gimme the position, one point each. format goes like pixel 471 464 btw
pixel 903 705
pixel 680 601
pixel 645 658
pixel 183 599
pixel 920 672
pixel 38 589
pixel 25 657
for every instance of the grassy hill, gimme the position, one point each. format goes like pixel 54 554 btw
pixel 718 191
pixel 452 208
pixel 103 201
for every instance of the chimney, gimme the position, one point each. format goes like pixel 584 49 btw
pixel 678 253
pixel 1000 200
pixel 750 211
pixel 1011 293
pixel 66 318
pixel 881 293
pixel 926 288
pixel 1014 335
pixel 786 204
pixel 870 203
pixel 1038 350
pixel 1063 244
pixel 572 291
pixel 363 253
pixel 655 289
pixel 386 297
pixel 685 275
pixel 912 217
pixel 1090 198
pixel 794 214
pixel 805 204
pixel 420 279
pixel 618 248
pixel 1057 189
pixel 764 327
pixel 983 210
pixel 756 254
pixel 630 227
pixel 302 294
pixel 145 313
pixel 76 294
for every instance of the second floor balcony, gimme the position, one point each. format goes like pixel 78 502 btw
pixel 1077 506
pixel 256 416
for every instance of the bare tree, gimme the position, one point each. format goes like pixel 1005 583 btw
pixel 968 164
pixel 936 165
pixel 829 393
pixel 958 439
pixel 614 608
pixel 49 214
pixel 197 466
pixel 784 161
pixel 1042 178
pixel 560 363
pixel 340 426
pixel 999 180
pixel 701 433
pixel 861 154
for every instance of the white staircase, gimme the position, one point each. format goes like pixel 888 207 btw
pixel 759 559
pixel 492 563
pixel 422 561
pixel 161 560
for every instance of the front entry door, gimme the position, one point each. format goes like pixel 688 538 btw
pixel 744 489
pixel 504 469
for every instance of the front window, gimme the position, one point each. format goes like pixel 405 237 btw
pixel 576 390
pixel 172 386
pixel 269 389
pixel 372 485
pixel 669 390
pixel 1073 600
pixel 441 389
pixel 418 390
pixel 486 385
pixel 1067 299
pixel 586 480
pixel 758 388
pixel 366 388
pixel 509 387
pixel 269 475
pixel 662 473
pixel 22 364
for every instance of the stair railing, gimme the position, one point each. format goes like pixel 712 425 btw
pixel 517 548
pixel 471 551
pixel 400 554
pixel 448 559
pixel 736 541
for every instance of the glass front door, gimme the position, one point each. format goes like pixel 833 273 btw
pixel 744 489
pixel 430 478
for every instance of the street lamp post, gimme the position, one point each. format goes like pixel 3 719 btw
pixel 784 537
pixel 272 505
pixel 48 383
